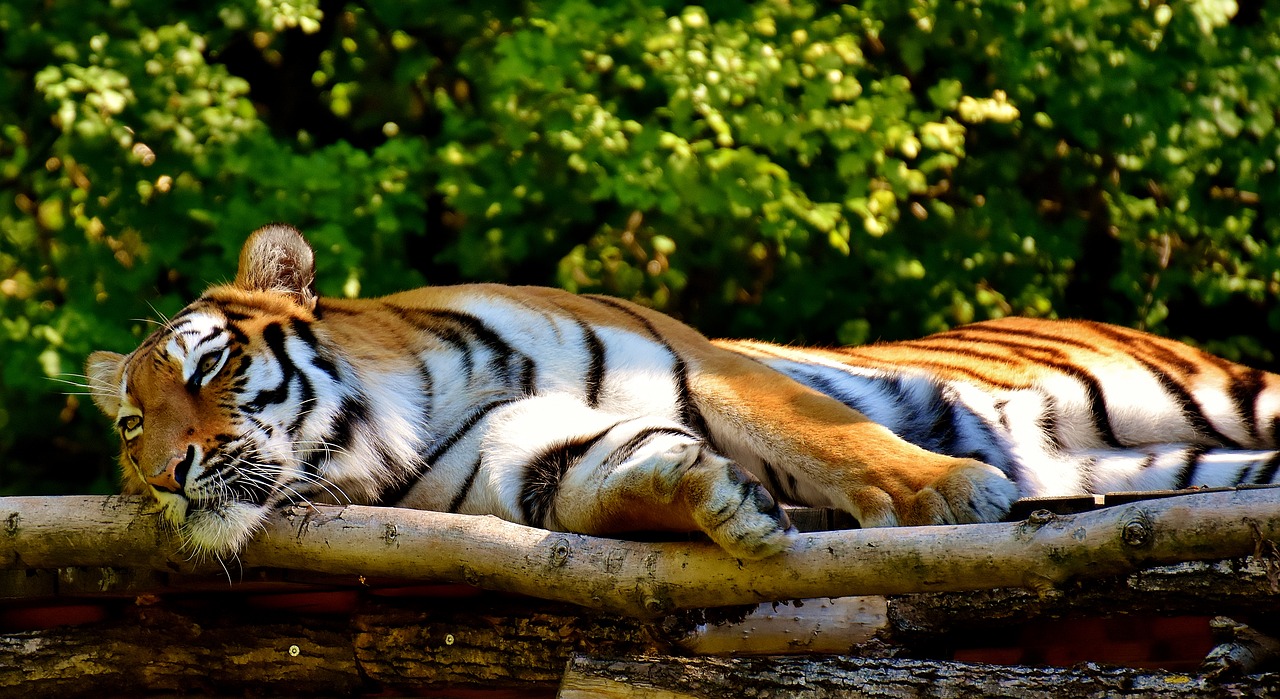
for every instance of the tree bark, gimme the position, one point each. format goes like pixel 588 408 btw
pixel 652 579
pixel 841 676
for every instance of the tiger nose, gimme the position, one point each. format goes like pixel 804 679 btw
pixel 170 479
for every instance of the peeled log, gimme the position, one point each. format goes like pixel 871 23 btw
pixel 650 579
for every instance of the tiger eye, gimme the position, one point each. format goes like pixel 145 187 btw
pixel 208 363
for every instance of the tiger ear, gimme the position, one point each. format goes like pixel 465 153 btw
pixel 277 258
pixel 103 370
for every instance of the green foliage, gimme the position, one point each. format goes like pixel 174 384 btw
pixel 797 171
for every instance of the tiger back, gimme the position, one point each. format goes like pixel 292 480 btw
pixel 595 415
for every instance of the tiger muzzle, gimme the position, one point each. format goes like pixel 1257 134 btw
pixel 171 478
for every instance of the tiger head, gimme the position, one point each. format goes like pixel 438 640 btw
pixel 197 432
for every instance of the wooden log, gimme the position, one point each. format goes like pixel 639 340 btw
pixel 1242 586
pixel 229 639
pixel 236 645
pixel 841 676
pixel 651 579
pixel 157 650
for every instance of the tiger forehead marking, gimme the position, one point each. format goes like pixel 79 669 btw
pixel 195 337
pixel 594 415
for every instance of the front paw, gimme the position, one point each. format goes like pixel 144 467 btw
pixel 970 492
pixel 737 512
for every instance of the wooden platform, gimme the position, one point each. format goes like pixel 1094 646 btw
pixel 126 631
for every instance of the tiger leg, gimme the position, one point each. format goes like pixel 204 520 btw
pixel 558 464
pixel 836 455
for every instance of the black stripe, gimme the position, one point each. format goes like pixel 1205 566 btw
pixel 1061 362
pixel 639 439
pixel 1191 409
pixel 215 332
pixel 467 425
pixel 1092 388
pixel 1048 420
pixel 544 472
pixel 1268 472
pixel 352 414
pixel 1097 406
pixel 689 413
pixel 428 393
pixel 321 362
pixel 1245 389
pixel 270 430
pixel 450 335
pixel 793 486
pixel 772 482
pixel 273 335
pixel 1136 342
pixel 461 496
pixel 1052 356
pixel 1187 474
pixel 397 492
pixel 595 365
pixel 1000 406
pixel 243 367
pixel 454 326
pixel 528 377
pixel 484 334
pixel 238 336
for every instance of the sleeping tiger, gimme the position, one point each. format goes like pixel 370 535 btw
pixel 594 415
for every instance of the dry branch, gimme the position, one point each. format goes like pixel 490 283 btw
pixel 648 579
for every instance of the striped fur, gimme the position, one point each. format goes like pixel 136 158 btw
pixel 594 415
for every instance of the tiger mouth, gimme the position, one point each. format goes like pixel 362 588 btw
pixel 215 526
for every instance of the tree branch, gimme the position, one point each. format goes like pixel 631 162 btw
pixel 650 579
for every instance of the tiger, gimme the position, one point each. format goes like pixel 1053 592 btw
pixel 595 415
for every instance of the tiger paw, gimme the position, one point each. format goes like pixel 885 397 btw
pixel 970 492
pixel 735 510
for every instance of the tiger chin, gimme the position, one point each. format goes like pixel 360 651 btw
pixel 594 415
